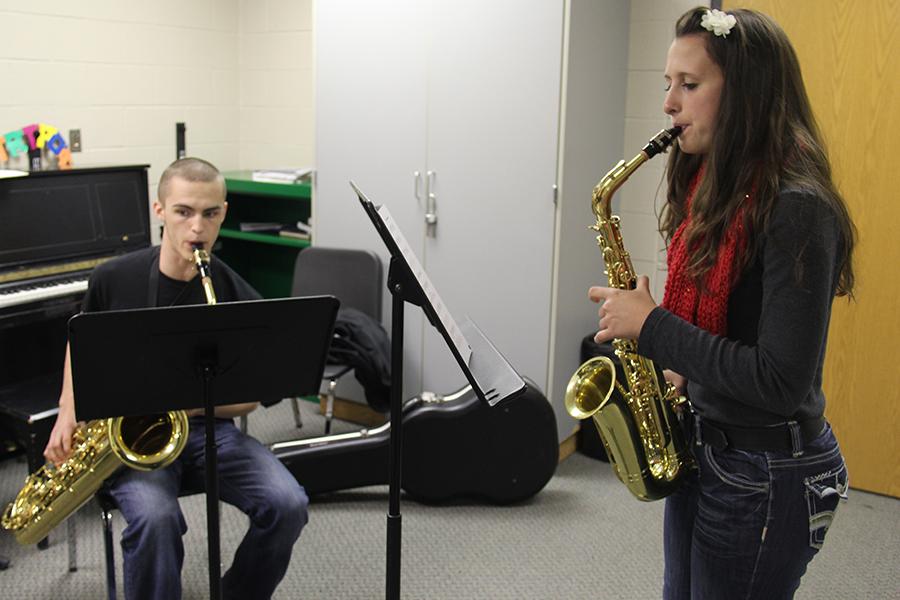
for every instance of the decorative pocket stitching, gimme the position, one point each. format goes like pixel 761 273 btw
pixel 820 502
pixel 736 480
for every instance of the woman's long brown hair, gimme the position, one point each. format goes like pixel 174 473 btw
pixel 767 140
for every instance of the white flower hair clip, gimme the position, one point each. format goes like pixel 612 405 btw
pixel 717 22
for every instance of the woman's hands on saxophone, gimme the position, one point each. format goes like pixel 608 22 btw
pixel 679 381
pixel 623 312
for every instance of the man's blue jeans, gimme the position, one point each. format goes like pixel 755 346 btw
pixel 250 478
pixel 746 524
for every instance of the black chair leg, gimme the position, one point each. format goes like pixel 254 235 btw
pixel 72 543
pixel 106 515
pixel 329 404
pixel 298 419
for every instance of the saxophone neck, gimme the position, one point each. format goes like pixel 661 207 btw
pixel 612 181
pixel 619 174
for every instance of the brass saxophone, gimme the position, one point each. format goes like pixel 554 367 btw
pixel 636 418
pixel 52 494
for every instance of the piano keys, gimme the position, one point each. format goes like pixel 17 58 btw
pixel 43 289
pixel 55 228
pixel 31 291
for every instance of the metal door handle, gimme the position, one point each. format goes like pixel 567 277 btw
pixel 430 205
pixel 430 217
pixel 416 178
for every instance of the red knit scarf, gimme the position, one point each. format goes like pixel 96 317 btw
pixel 706 308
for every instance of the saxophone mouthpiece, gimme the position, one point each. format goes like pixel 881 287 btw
pixel 661 141
pixel 201 259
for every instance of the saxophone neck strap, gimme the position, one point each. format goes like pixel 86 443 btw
pixel 153 284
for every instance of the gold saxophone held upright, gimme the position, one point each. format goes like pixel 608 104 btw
pixel 636 418
pixel 51 494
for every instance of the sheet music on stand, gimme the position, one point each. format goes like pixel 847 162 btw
pixel 492 377
pixel 446 319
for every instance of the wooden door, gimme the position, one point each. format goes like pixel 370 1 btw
pixel 850 56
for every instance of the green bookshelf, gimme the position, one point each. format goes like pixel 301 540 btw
pixel 241 182
pixel 264 258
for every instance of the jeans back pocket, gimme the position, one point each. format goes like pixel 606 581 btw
pixel 823 492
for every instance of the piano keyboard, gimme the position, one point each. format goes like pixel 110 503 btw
pixel 36 292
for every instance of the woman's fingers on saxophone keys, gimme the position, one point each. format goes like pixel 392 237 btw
pixel 622 312
pixel 679 381
pixel 598 293
pixel 601 294
pixel 606 331
pixel 603 336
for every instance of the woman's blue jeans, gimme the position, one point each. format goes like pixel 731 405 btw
pixel 250 478
pixel 746 524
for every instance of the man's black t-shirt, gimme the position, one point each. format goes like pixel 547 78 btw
pixel 134 281
pixel 172 292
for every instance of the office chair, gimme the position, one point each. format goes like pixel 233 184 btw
pixel 355 278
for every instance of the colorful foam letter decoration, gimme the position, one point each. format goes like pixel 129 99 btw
pixel 46 134
pixel 55 143
pixel 36 137
pixel 29 132
pixel 65 159
pixel 15 143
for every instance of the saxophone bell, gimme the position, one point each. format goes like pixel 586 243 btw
pixel 590 387
pixel 99 449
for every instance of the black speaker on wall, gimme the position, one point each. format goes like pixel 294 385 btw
pixel 180 151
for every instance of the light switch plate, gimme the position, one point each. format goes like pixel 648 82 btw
pixel 75 140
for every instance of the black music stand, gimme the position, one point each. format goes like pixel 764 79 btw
pixel 154 360
pixel 492 378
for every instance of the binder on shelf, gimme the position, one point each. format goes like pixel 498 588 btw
pixel 259 226
pixel 293 232
pixel 281 175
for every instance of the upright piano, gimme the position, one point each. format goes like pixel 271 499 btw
pixel 55 228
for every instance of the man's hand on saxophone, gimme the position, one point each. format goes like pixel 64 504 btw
pixel 59 446
pixel 623 312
